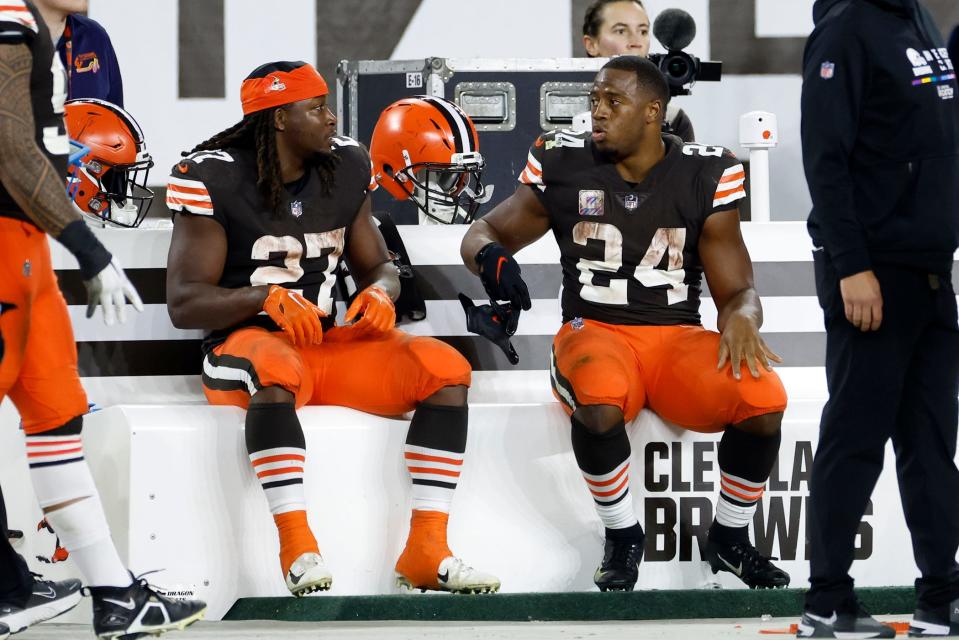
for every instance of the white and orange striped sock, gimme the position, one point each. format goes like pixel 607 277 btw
pixel 614 502
pixel 745 462
pixel 280 472
pixel 434 452
pixel 603 459
pixel 434 473
pixel 277 450
pixel 737 500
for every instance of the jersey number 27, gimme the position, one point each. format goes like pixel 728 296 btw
pixel 292 269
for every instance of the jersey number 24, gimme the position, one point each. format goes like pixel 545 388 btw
pixel 666 241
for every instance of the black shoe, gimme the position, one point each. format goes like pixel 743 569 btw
pixel 742 559
pixel 849 622
pixel 4 632
pixel 132 612
pixel 620 568
pixel 929 622
pixel 48 600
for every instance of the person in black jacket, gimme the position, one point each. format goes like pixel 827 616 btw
pixel 880 135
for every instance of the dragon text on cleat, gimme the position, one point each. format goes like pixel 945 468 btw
pixel 125 613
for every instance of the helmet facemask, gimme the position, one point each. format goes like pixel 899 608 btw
pixel 447 193
pixel 122 198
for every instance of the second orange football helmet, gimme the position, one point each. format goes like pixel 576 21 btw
pixel 426 149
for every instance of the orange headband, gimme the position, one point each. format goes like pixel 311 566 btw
pixel 281 87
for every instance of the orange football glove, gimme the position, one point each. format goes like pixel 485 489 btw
pixel 379 313
pixel 295 315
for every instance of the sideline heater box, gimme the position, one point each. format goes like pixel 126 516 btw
pixel 510 100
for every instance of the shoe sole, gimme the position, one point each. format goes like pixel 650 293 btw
pixel 157 630
pixel 323 584
pixel 34 615
pixel 717 569
pixel 404 584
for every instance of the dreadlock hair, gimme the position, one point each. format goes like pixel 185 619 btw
pixel 256 132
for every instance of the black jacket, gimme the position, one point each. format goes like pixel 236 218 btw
pixel 880 136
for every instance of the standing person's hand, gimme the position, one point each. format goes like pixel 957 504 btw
pixel 862 299
pixel 110 289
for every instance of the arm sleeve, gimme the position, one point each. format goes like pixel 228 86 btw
pixel 532 173
pixel 724 183
pixel 835 73
pixel 187 193
pixel 17 24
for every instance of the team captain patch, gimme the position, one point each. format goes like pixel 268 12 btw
pixel 591 202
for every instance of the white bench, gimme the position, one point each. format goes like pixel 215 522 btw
pixel 181 496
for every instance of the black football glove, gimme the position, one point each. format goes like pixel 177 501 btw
pixel 495 322
pixel 502 276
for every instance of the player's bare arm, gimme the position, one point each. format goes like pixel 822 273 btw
pixel 27 174
pixel 729 273
pixel 368 257
pixel 194 266
pixel 516 222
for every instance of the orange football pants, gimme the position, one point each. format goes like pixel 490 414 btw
pixel 671 370
pixel 39 366
pixel 386 375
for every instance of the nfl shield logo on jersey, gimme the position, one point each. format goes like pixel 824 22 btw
pixel 631 201
pixel 296 208
pixel 591 202
pixel 827 70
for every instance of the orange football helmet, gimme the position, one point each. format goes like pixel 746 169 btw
pixel 108 184
pixel 426 149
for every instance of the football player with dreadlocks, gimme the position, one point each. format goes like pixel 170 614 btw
pixel 264 211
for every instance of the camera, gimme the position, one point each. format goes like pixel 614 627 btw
pixel 675 30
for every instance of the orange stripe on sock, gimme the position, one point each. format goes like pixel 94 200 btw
pixel 606 483
pixel 425 458
pixel 287 456
pixel 59 452
pixel 744 487
pixel 605 494
pixel 278 472
pixel 741 496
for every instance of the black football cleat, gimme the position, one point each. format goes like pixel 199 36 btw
pixel 850 621
pixel 620 567
pixel 48 600
pixel 744 561
pixel 126 613
pixel 931 622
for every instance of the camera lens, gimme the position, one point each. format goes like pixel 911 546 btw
pixel 677 67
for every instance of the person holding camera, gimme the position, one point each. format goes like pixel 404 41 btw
pixel 621 27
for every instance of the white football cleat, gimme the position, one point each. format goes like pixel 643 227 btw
pixel 456 576
pixel 308 574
